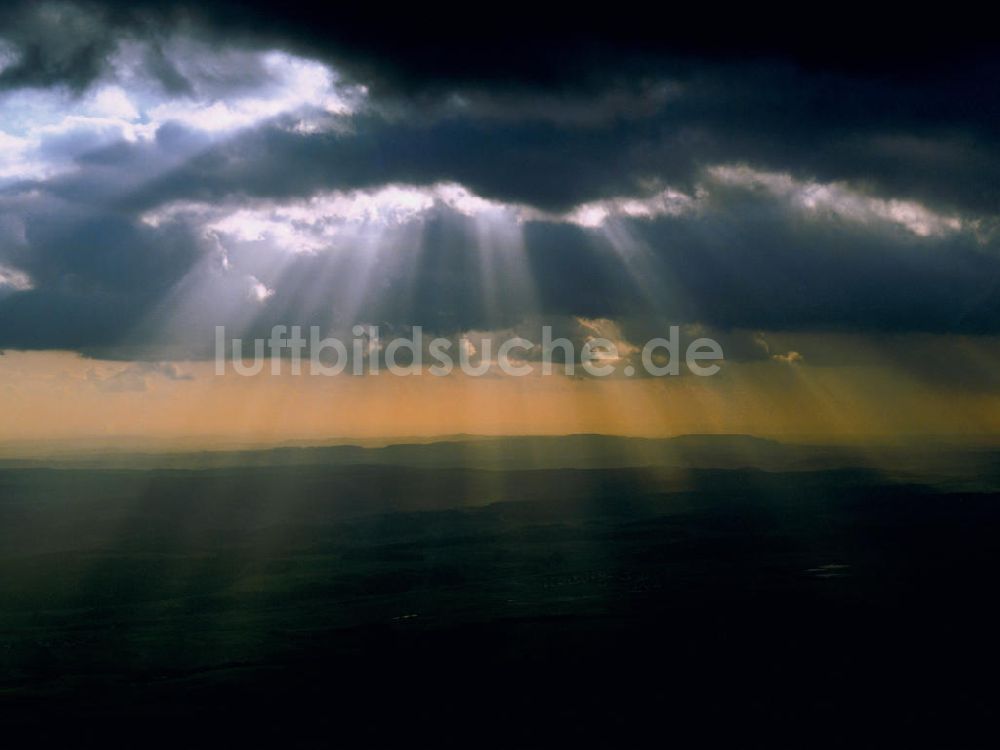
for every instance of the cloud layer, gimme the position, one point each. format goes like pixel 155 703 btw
pixel 165 172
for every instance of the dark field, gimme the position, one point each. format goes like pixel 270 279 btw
pixel 360 604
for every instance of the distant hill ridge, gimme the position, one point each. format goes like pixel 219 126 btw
pixel 557 451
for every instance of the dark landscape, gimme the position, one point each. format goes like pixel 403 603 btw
pixel 457 604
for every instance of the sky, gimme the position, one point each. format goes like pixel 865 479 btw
pixel 822 203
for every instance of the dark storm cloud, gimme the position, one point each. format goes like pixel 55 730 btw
pixel 94 275
pixel 55 44
pixel 447 46
pixel 912 115
pixel 535 163
pixel 518 109
pixel 925 142
pixel 748 262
